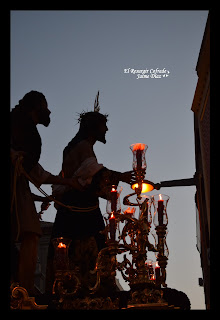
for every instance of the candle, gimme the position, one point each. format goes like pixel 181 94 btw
pixel 139 159
pixel 157 273
pixel 160 210
pixel 114 199
pixel 61 257
pixel 139 162
pixel 150 270
pixel 61 247
pixel 112 226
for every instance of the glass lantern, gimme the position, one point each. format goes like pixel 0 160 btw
pixel 139 161
pixel 150 269
pixel 61 248
pixel 156 272
pixel 160 202
pixel 165 250
pixel 114 205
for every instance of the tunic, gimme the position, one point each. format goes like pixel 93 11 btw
pixel 25 137
pixel 83 227
pixel 97 180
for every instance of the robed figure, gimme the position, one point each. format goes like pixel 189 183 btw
pixel 84 225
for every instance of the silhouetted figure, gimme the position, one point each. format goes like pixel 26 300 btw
pixel 84 227
pixel 26 142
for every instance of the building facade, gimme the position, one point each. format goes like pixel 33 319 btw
pixel 40 272
pixel 201 110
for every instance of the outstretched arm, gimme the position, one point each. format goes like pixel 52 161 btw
pixel 41 176
pixel 127 177
pixel 72 182
pixel 105 178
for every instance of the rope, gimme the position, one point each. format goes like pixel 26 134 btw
pixel 17 172
pixel 72 208
pixel 20 170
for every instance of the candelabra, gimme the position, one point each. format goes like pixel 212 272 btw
pixel 145 280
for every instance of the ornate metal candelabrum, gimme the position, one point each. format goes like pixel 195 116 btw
pixel 144 279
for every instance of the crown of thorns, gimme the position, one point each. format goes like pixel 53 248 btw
pixel 96 109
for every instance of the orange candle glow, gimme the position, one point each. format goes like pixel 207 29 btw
pixel 61 245
pixel 130 211
pixel 139 146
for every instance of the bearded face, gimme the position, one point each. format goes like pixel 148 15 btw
pixel 94 124
pixel 101 132
pixel 44 114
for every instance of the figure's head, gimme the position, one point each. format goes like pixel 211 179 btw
pixel 35 102
pixel 93 124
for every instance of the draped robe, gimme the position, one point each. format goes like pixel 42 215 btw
pixel 83 227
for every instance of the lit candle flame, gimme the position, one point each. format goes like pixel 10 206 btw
pixel 114 188
pixel 160 196
pixel 61 245
pixel 139 146
pixel 129 210
pixel 112 216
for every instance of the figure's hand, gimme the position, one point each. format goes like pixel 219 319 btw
pixel 128 177
pixel 45 205
pixel 15 154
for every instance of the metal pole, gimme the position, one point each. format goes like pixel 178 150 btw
pixel 177 183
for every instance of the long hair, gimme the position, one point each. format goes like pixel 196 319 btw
pixel 29 101
pixel 24 134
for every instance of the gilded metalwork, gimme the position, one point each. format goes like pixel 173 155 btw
pixel 134 239
pixel 66 284
pixel 88 303
pixel 20 299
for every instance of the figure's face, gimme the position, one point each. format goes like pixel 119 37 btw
pixel 44 113
pixel 101 132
